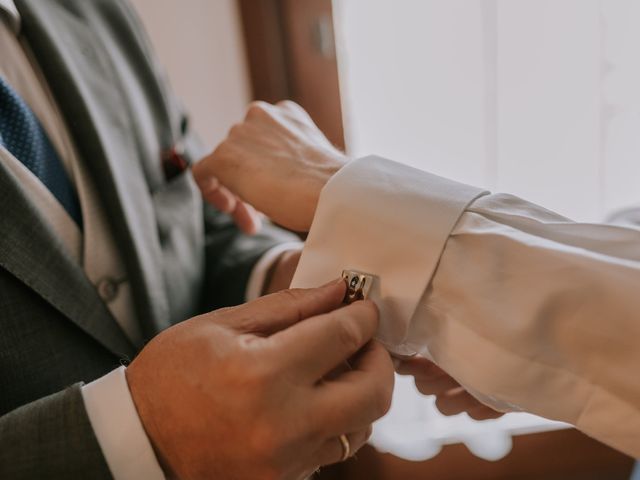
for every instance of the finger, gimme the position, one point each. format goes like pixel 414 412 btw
pixel 429 378
pixel 457 402
pixel 296 110
pixel 203 176
pixel 246 218
pixel 431 385
pixel 272 313
pixel 218 195
pixel 484 413
pixel 318 345
pixel 199 173
pixel 332 450
pixel 419 367
pixel 243 214
pixel 359 396
pixel 216 171
pixel 290 105
pixel 258 108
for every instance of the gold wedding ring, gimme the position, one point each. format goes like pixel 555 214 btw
pixel 346 447
pixel 358 285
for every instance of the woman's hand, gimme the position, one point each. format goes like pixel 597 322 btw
pixel 451 397
pixel 276 160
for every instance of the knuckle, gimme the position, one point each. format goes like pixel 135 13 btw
pixel 430 371
pixel 479 416
pixel 444 406
pixel 290 299
pixel 291 294
pixel 257 109
pixel 371 307
pixel 348 334
pixel 294 108
pixel 383 399
pixel 368 433
pixel 377 401
pixel 236 130
pixel 288 296
pixel 359 442
pixel 289 105
pixel 369 311
pixel 423 386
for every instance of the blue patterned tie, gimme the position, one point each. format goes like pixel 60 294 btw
pixel 22 134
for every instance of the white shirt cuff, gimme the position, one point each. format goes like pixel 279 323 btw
pixel 114 417
pixel 255 285
pixel 388 220
pixel 122 438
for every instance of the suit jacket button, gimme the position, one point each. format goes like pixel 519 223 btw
pixel 107 289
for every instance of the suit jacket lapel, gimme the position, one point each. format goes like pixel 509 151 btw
pixel 33 254
pixel 87 88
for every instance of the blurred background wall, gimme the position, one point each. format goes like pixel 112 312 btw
pixel 201 45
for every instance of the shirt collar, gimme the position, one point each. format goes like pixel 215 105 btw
pixel 9 13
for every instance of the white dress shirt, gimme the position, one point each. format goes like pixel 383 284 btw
pixel 528 310
pixel 108 402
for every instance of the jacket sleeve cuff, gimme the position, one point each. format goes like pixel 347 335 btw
pixel 118 428
pixel 388 220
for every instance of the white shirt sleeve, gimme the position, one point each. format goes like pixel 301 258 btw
pixel 255 285
pixel 122 438
pixel 528 310
pixel 113 415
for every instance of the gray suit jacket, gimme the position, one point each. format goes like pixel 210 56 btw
pixel 182 258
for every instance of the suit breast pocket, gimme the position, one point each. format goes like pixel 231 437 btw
pixel 178 210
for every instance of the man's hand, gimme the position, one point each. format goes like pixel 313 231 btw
pixel 276 160
pixel 245 392
pixel 451 397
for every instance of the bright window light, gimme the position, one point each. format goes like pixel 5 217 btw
pixel 538 98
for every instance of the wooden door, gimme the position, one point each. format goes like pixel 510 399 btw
pixel 291 52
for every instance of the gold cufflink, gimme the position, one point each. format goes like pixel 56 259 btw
pixel 358 285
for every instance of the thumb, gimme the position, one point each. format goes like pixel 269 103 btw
pixel 278 311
